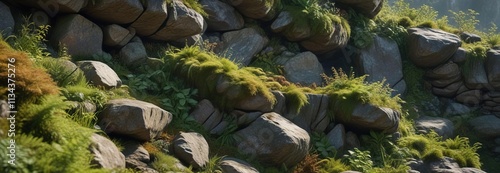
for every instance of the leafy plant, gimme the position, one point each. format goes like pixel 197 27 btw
pixel 322 146
pixel 466 21
pixel 310 163
pixel 359 160
pixel 30 40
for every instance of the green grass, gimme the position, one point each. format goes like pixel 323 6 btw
pixel 309 13
pixel 430 147
pixel 204 69
pixel 346 91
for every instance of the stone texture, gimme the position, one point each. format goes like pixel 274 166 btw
pixel 134 53
pixel 369 8
pixel 234 165
pixel 280 106
pixel 486 126
pixel 459 56
pixel 310 114
pixel 255 9
pixel 476 78
pixel 4 109
pixel 191 148
pixel 222 17
pixel 337 137
pixel 7 23
pixel 445 71
pixel 241 45
pixel 381 55
pixel 100 74
pixel 304 69
pixel 115 35
pixel 493 68
pixel 449 91
pixel 136 156
pixel 325 42
pixel 54 7
pixel 106 154
pixel 471 97
pixel 430 47
pixel 469 37
pixel 202 111
pixel 245 118
pixel 442 83
pixel 78 35
pixel 284 25
pixel 182 22
pixel 273 140
pixel 114 11
pixel 133 118
pixel 213 120
pixel 456 109
pixel 154 15
pixel 352 140
pixel 442 126
pixel 366 117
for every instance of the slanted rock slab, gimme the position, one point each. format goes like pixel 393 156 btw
pixel 273 140
pixel 242 45
pixel 442 126
pixel 191 148
pixel 182 22
pixel 430 47
pixel 155 13
pixel 222 17
pixel 133 118
pixel 234 165
pixel 366 117
pixel 100 74
pixel 303 68
pixel 106 154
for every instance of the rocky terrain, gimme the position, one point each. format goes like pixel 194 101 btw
pixel 176 85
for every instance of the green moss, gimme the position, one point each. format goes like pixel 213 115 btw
pixel 475 54
pixel 196 6
pixel 428 24
pixel 205 71
pixel 165 163
pixel 309 14
pixel 433 155
pixel 348 91
pixel 60 73
pixel 332 165
pixel 405 22
pixel 295 97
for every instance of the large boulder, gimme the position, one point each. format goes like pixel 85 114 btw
pixel 430 47
pixel 54 7
pixel 234 165
pixel 182 22
pixel 366 117
pixel 106 154
pixel 303 68
pixel 134 53
pixel 133 118
pixel 442 126
pixel 191 148
pixel 78 35
pixel 114 11
pixel 324 42
pixel 486 126
pixel 369 8
pixel 273 140
pixel 155 13
pixel 222 17
pixel 7 23
pixel 241 45
pixel 256 9
pixel 100 74
pixel 493 68
pixel 443 72
pixel 374 61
